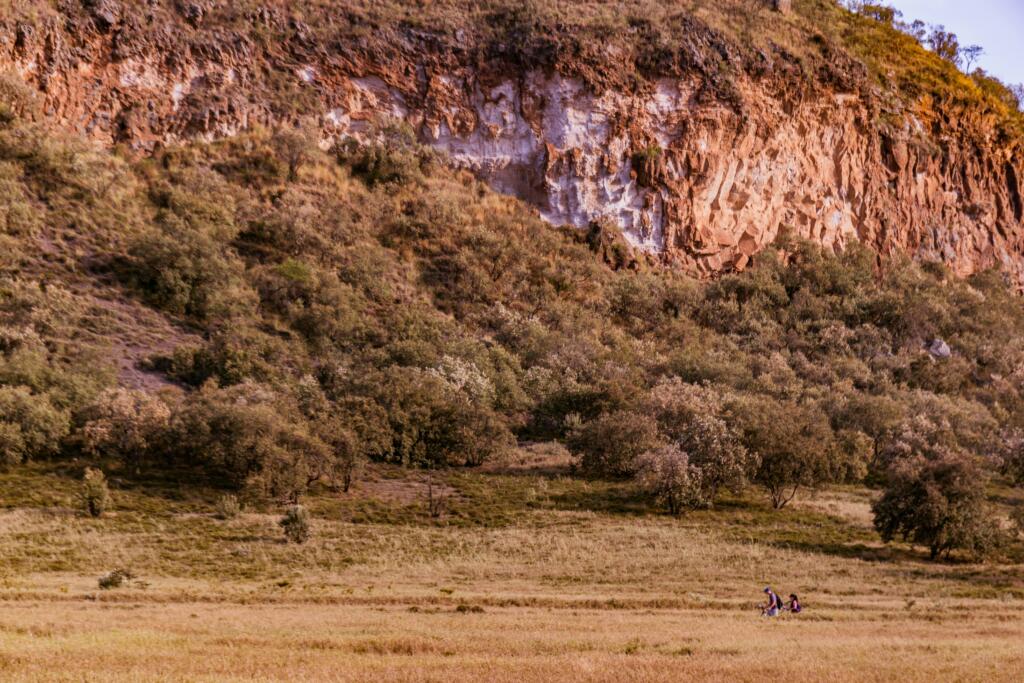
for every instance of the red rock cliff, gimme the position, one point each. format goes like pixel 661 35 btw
pixel 703 169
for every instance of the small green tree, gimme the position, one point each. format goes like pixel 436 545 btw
pixel 228 506
pixel 939 504
pixel 793 442
pixel 434 423
pixel 692 416
pixel 876 416
pixel 295 524
pixel 95 494
pixel 123 424
pixel 610 444
pixel 248 436
pixel 31 425
pixel 668 475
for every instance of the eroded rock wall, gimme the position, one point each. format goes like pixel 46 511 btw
pixel 705 181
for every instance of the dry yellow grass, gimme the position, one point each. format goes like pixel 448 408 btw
pixel 559 595
pixel 607 600
pixel 196 641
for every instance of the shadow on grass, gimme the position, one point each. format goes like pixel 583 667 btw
pixel 603 497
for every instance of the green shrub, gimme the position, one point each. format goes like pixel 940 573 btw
pixel 18 216
pixel 124 424
pixel 231 356
pixel 13 450
pixel 295 524
pixel 792 442
pixel 434 422
pixel 939 504
pixel 228 506
pixel 397 159
pixel 667 475
pixel 295 147
pixel 95 494
pixel 693 418
pixel 184 263
pixel 30 425
pixel 1013 455
pixel 247 436
pixel 610 444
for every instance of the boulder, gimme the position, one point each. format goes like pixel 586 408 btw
pixel 939 349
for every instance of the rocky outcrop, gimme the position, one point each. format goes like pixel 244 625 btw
pixel 702 170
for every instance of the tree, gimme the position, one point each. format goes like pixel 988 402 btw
pixel 971 54
pixel 875 416
pixel 354 430
pixel 124 424
pixel 793 442
pixel 30 425
pixel 434 423
pixel 668 475
pixel 691 416
pixel 945 44
pixel 294 147
pixel 1012 455
pixel 939 504
pixel 916 29
pixel 1018 92
pixel 881 13
pixel 343 459
pixel 248 436
pixel 610 444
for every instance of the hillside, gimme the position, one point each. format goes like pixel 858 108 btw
pixel 269 316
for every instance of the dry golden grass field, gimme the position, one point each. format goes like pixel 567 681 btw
pixel 528 576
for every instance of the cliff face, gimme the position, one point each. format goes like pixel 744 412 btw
pixel 702 170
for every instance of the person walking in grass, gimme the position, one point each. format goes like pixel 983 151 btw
pixel 793 606
pixel 774 605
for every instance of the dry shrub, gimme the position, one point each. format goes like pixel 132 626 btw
pixel 115 579
pixel 295 524
pixel 228 506
pixel 95 494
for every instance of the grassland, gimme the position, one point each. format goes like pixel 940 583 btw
pixel 528 575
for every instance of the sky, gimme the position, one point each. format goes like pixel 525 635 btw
pixel 996 25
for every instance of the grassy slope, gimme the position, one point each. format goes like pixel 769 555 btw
pixel 566 586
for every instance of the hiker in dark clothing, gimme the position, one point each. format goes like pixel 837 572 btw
pixel 793 606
